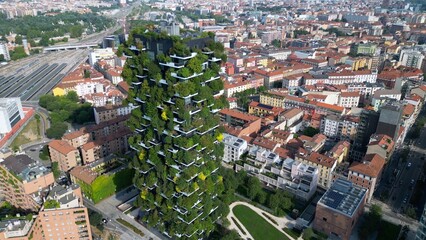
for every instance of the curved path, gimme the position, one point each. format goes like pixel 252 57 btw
pixel 282 221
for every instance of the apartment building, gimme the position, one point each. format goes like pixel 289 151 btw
pixel 325 165
pixel 66 155
pixel 381 144
pixel 23 181
pixel 274 97
pixel 110 112
pixel 349 99
pixel 262 110
pixel 367 173
pixel 339 209
pixel 19 228
pixel 381 96
pixel 64 216
pixel 234 148
pixel 340 151
pixel 102 147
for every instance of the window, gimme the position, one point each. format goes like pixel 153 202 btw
pixel 324 219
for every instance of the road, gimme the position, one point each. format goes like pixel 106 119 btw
pixel 410 172
pixel 108 208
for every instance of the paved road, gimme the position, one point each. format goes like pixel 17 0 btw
pixel 410 172
pixel 108 208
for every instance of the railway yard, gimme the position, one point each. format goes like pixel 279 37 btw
pixel 34 76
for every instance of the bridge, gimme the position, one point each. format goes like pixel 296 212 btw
pixel 70 47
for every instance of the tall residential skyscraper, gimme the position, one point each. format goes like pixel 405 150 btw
pixel 177 135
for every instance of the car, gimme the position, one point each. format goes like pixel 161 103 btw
pixel 405 199
pixel 412 181
pixel 32 150
pixel 104 220
pixel 408 165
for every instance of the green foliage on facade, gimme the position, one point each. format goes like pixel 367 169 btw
pixel 177 136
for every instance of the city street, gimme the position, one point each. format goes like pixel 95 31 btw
pixel 108 208
pixel 409 173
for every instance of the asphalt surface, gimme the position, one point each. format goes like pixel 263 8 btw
pixel 109 210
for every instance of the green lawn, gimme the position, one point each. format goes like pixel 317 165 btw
pixel 257 226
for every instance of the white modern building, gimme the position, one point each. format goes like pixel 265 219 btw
pixel 100 53
pixel 5 51
pixel 234 148
pixel 298 178
pixel 10 114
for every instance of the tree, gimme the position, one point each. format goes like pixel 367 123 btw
pixel 18 39
pixel 76 31
pixel 274 202
pixel 253 187
pixel 276 43
pixel 310 131
pixel 18 53
pixel 261 197
pixel 56 130
pixel 2 58
pixel 72 96
pixel 376 212
pixel 44 41
pixel 308 234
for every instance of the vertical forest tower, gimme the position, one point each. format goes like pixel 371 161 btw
pixel 177 134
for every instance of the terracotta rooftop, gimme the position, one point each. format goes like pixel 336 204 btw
pixel 61 146
pixel 349 94
pixel 84 174
pixel 320 159
pixel 238 114
pixel 371 166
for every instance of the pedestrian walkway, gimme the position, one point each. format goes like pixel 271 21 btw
pixel 283 222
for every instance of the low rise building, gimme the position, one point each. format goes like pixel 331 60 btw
pixel 339 209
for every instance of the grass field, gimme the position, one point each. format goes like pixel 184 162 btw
pixel 257 226
pixel 31 132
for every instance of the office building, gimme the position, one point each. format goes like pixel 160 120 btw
pixel 10 114
pixel 339 209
